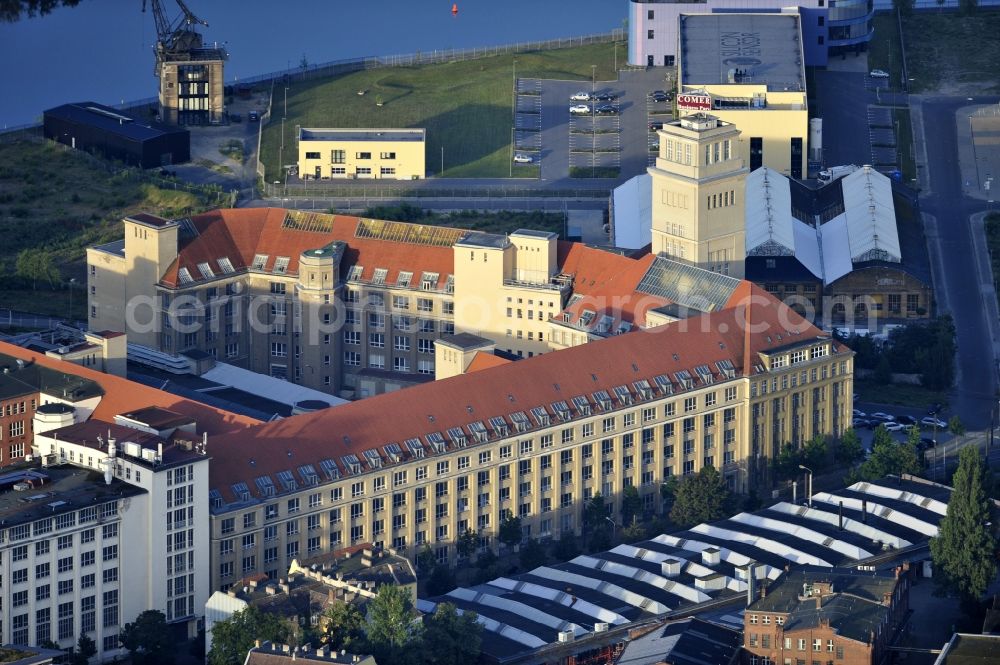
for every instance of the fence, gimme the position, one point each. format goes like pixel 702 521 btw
pixel 435 56
pixel 376 192
pixel 922 5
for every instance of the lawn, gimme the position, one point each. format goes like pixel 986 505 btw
pixel 951 53
pixel 61 201
pixel 465 106
pixel 898 394
pixel 904 143
pixel 883 51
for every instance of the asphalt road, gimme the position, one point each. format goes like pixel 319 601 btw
pixel 958 273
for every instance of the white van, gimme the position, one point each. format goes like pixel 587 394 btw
pixel 834 172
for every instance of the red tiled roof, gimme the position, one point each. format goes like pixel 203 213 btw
pixel 483 360
pixel 239 234
pixel 122 396
pixel 608 283
pixel 504 389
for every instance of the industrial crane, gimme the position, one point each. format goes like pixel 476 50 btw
pixel 174 39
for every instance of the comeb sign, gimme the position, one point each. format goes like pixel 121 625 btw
pixel 694 101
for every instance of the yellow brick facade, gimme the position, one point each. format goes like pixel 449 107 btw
pixel 547 475
pixel 392 154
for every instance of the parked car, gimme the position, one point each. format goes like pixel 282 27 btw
pixel 580 97
pixel 253 116
pixel 660 98
pixel 607 109
pixel 605 97
pixel 933 421
pixel 891 426
pixel 906 420
pixel 927 442
pixel 859 423
pixel 579 109
pixel 879 74
pixel 653 126
pixel 883 417
pixel 521 158
pixel 858 413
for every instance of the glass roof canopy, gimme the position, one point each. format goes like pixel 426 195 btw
pixel 688 285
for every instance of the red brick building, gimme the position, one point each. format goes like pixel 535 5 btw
pixel 24 385
pixel 825 616
pixel 17 408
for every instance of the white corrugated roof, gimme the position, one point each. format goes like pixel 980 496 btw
pixel 807 247
pixel 263 385
pixel 836 249
pixel 633 212
pixel 768 210
pixel 871 221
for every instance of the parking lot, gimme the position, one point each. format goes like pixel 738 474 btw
pixel 560 141
pixel 853 104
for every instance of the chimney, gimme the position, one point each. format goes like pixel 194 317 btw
pixel 256 644
pixel 751 583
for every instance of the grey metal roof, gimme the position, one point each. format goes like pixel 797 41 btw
pixel 766 47
pixel 361 134
pixel 111 120
pixel 688 642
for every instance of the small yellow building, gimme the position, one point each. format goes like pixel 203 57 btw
pixel 395 154
pixel 747 69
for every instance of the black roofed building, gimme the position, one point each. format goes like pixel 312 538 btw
pixel 851 248
pixel 687 642
pixel 814 614
pixel 120 135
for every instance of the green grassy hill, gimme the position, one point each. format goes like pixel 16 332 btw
pixel 466 106
pixel 60 201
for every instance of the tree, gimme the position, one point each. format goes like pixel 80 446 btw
pixel 11 11
pixel 342 627
pixel 234 637
pixel 786 464
pixel 391 628
pixel 962 551
pixel 700 498
pixel 596 523
pixel 565 548
pixel 441 581
pixel 532 555
pixel 888 458
pixel 955 426
pixel 631 504
pixel 849 450
pixel 595 513
pixel 883 372
pixel 968 6
pixel 451 638
pixel 148 640
pixel 36 265
pixel 86 649
pixel 510 529
pixel 814 454
pixel 426 561
pixel 467 544
pixel 633 532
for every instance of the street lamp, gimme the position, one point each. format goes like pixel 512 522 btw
pixel 613 527
pixel 72 283
pixel 809 499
